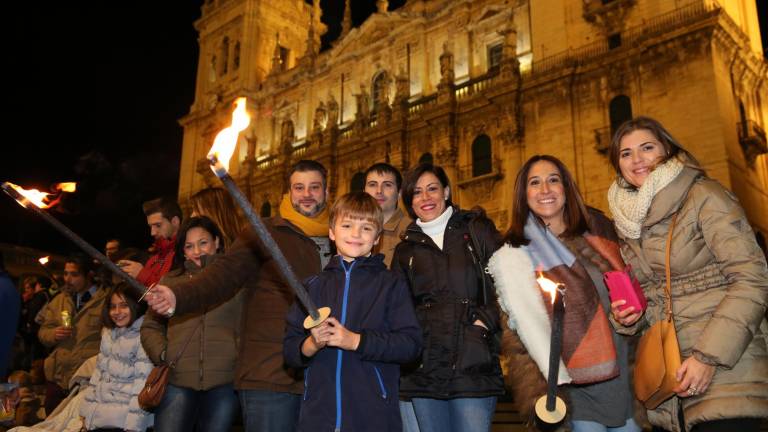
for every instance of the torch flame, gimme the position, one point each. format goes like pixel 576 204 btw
pixel 548 285
pixel 69 187
pixel 226 140
pixel 33 196
pixel 43 260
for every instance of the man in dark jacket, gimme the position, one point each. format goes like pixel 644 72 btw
pixel 269 391
pixel 353 359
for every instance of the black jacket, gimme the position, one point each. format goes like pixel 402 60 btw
pixel 367 299
pixel 459 359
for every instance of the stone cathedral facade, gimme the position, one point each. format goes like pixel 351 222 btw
pixel 479 86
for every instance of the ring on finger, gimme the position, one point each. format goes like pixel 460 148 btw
pixel 692 391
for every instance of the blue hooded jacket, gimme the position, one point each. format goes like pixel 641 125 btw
pixel 355 390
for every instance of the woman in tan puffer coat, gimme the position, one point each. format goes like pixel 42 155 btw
pixel 719 279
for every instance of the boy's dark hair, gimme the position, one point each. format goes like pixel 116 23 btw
pixel 307 165
pixel 123 290
pixel 385 168
pixel 413 177
pixel 357 205
pixel 84 264
pixel 166 206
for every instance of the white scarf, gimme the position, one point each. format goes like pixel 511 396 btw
pixel 436 228
pixel 630 206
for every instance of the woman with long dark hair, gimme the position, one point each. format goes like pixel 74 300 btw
pixel 200 393
pixel 443 253
pixel 552 231
pixel 719 279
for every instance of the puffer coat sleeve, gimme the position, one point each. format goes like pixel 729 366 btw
pixel 736 319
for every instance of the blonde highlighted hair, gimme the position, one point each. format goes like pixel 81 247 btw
pixel 357 205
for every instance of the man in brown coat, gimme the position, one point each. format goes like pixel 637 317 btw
pixel 383 182
pixel 72 327
pixel 269 391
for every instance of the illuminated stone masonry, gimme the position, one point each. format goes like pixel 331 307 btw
pixel 478 87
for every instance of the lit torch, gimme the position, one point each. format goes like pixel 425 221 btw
pixel 43 261
pixel 221 151
pixel 549 408
pixel 37 201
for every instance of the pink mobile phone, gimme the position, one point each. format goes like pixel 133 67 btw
pixel 622 285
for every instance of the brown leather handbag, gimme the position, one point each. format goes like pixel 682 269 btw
pixel 154 389
pixel 658 352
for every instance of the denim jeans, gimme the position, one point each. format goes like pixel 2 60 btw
pixel 184 410
pixel 268 411
pixel 455 415
pixel 590 426
pixel 408 415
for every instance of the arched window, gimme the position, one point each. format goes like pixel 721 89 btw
pixel 426 158
pixel 266 210
pixel 482 159
pixel 379 87
pixel 224 55
pixel 619 111
pixel 358 182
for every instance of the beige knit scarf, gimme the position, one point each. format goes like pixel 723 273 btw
pixel 629 206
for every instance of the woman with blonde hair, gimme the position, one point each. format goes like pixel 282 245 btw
pixel 217 205
pixel 719 279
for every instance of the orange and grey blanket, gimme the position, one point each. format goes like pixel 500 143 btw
pixel 588 354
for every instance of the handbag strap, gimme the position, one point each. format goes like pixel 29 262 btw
pixel 667 269
pixel 183 348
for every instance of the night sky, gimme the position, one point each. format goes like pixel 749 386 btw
pixel 93 94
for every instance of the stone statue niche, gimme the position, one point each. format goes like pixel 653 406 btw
pixel 333 112
pixel 287 136
pixel 319 122
pixel 446 66
pixel 363 104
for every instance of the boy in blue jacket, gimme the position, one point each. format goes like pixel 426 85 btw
pixel 352 360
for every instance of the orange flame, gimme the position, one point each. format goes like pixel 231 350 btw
pixel 66 187
pixel 43 260
pixel 226 140
pixel 32 196
pixel 548 285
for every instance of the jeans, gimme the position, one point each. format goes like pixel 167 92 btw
pixel 591 426
pixel 268 411
pixel 184 410
pixel 408 415
pixel 455 415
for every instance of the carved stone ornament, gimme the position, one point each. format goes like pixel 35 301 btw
pixel 608 16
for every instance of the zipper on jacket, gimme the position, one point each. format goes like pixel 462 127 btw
pixel 381 382
pixel 340 352
pixel 306 383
